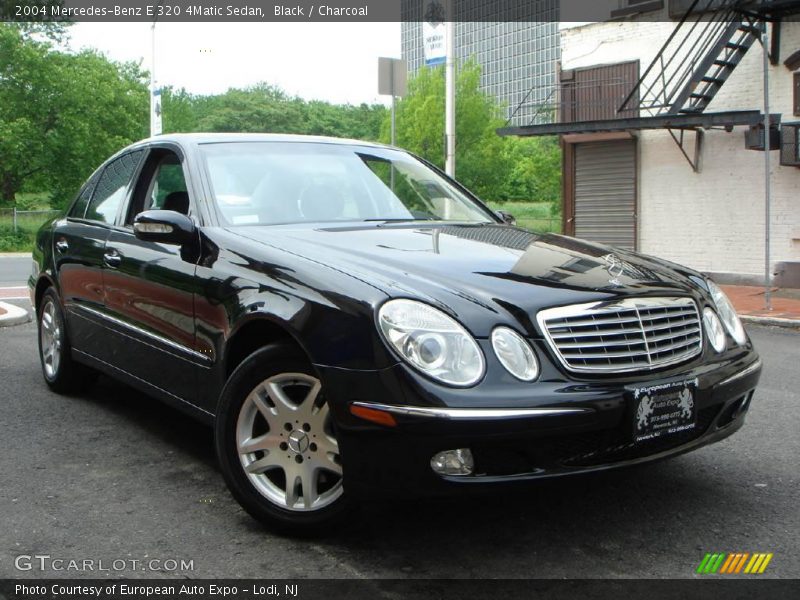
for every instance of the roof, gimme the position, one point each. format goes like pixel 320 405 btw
pixel 222 138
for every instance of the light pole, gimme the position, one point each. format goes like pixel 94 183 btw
pixel 450 92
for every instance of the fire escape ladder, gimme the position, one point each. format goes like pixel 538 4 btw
pixel 696 60
pixel 716 66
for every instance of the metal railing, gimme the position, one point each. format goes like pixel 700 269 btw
pixel 584 101
pixel 704 24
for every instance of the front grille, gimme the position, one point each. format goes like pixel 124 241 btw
pixel 635 334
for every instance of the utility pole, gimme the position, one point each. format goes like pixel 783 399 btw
pixel 155 95
pixel 450 92
pixel 767 188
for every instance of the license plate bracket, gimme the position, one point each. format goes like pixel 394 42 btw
pixel 663 409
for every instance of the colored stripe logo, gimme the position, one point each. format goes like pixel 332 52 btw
pixel 734 563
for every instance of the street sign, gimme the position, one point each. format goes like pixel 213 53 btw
pixel 391 76
pixel 434 33
pixel 155 112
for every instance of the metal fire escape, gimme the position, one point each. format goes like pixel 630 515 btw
pixel 697 58
pixel 674 91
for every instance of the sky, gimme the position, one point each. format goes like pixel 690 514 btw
pixel 337 62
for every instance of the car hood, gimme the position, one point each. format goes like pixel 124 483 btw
pixel 469 269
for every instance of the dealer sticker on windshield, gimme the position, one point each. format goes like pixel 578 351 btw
pixel 663 409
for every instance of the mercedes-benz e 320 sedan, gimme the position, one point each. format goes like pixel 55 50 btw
pixel 351 320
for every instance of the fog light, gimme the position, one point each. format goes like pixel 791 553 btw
pixel 453 462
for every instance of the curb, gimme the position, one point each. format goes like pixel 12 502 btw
pixel 15 255
pixel 773 321
pixel 14 315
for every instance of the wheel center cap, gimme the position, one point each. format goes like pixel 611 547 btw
pixel 298 441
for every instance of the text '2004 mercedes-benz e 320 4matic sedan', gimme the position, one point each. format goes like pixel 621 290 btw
pixel 352 320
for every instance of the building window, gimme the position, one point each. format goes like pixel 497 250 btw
pixel 797 94
pixel 633 7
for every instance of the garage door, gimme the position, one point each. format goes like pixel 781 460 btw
pixel 605 192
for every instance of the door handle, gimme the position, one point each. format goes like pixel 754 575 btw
pixel 112 258
pixel 62 246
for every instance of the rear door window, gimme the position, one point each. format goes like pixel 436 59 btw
pixel 78 209
pixel 112 187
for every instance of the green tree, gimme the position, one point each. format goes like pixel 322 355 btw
pixel 62 114
pixel 361 122
pixel 534 171
pixel 497 169
pixel 479 150
pixel 179 114
pixel 264 108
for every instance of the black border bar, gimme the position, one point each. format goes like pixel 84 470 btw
pixel 349 10
pixel 702 587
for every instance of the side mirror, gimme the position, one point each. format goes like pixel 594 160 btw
pixel 506 217
pixel 164 226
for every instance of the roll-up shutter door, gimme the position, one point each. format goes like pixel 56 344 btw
pixel 605 192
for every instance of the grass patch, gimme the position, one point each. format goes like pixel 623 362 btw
pixel 531 215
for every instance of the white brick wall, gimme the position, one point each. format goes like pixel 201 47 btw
pixel 712 220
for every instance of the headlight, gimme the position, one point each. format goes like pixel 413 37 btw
pixel 714 331
pixel 432 342
pixel 727 313
pixel 515 354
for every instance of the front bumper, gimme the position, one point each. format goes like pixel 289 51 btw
pixel 559 427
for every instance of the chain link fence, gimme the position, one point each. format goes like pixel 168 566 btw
pixel 15 221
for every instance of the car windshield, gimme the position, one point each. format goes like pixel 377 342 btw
pixel 270 183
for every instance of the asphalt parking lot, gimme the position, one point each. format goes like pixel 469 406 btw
pixel 114 475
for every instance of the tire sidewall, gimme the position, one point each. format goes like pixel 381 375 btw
pixel 259 366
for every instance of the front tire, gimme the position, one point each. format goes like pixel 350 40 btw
pixel 276 443
pixel 61 373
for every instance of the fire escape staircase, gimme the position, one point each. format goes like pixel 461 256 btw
pixel 694 63
pixel 715 68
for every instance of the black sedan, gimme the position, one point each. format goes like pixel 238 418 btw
pixel 352 321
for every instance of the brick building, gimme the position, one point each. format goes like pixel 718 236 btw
pixel 656 116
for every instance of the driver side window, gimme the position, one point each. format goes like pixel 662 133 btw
pixel 161 186
pixel 168 180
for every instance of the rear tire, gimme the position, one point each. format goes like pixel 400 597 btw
pixel 276 443
pixel 61 373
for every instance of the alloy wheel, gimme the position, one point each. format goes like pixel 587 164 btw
pixel 286 443
pixel 51 337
